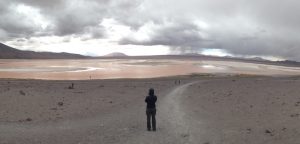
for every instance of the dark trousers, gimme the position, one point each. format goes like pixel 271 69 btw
pixel 151 116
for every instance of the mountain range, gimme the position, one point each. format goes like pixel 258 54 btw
pixel 7 52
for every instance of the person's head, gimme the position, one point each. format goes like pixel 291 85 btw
pixel 151 91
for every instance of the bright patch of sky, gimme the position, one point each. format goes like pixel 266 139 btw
pixel 91 47
pixel 32 14
pixel 215 52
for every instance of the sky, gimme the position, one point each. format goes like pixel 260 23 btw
pixel 245 28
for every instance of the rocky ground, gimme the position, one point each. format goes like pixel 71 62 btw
pixel 202 109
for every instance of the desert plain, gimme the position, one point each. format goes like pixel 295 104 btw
pixel 207 108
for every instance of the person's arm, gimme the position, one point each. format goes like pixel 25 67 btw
pixel 155 99
pixel 146 100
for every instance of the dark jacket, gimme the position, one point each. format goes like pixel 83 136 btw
pixel 151 100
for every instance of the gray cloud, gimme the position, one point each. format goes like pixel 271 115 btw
pixel 263 28
pixel 242 27
pixel 41 3
pixel 178 35
pixel 77 17
pixel 13 24
pixel 66 17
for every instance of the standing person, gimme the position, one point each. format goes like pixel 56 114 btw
pixel 151 109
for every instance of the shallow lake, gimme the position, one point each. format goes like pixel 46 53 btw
pixel 130 68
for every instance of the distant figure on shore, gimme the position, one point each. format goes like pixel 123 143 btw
pixel 177 82
pixel 151 110
pixel 72 86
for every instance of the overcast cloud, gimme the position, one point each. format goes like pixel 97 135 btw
pixel 241 27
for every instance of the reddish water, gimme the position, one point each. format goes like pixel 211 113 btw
pixel 120 68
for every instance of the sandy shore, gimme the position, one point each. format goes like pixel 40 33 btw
pixel 202 110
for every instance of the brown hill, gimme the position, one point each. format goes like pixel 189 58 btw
pixel 116 54
pixel 7 52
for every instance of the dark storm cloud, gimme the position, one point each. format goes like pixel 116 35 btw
pixel 182 35
pixel 78 17
pixel 263 28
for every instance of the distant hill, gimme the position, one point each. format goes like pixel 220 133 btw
pixel 116 54
pixel 191 54
pixel 7 52
pixel 289 62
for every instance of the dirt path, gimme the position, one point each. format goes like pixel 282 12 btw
pixel 172 125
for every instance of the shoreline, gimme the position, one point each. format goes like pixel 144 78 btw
pixel 187 76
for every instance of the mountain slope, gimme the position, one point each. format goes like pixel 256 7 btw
pixel 7 52
pixel 116 54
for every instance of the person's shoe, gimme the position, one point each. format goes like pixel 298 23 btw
pixel 149 129
pixel 154 129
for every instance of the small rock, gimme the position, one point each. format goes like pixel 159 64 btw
pixel 60 103
pixel 267 131
pixel 28 119
pixel 110 102
pixel 249 130
pixel 22 93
